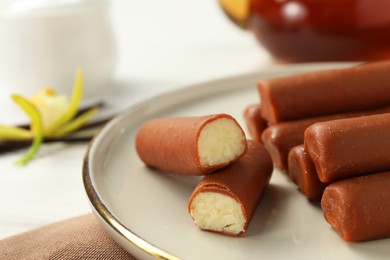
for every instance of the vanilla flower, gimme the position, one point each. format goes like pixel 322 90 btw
pixel 51 115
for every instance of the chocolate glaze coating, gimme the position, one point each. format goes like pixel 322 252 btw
pixel 171 144
pixel 325 92
pixel 349 147
pixel 281 137
pixel 254 122
pixel 359 208
pixel 245 180
pixel 303 172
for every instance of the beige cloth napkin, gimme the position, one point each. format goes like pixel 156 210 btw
pixel 76 238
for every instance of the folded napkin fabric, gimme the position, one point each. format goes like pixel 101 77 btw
pixel 76 238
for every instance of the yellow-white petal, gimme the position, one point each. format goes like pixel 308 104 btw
pixel 50 105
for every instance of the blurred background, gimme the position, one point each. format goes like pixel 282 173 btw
pixel 153 43
pixel 131 45
pixel 176 43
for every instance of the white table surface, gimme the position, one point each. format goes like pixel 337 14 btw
pixel 163 45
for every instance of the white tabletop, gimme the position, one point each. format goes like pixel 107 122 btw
pixel 163 45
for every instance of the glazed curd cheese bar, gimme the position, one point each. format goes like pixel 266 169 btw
pixel 225 201
pixel 359 208
pixel 254 122
pixel 191 145
pixel 303 173
pixel 349 147
pixel 312 94
pixel 281 137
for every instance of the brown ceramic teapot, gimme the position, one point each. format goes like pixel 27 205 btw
pixel 316 30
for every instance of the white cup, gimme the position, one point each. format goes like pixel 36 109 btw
pixel 44 42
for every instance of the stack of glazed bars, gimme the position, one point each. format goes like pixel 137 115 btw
pixel 330 132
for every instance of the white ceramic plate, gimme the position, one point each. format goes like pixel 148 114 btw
pixel 146 211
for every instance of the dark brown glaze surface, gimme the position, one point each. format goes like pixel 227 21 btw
pixel 171 144
pixel 325 92
pixel 281 137
pixel 245 180
pixel 349 147
pixel 254 122
pixel 359 208
pixel 303 173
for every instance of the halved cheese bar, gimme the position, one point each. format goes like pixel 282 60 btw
pixel 225 201
pixel 191 145
pixel 325 92
pixel 359 208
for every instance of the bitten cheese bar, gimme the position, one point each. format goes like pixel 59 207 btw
pixel 254 122
pixel 303 173
pixel 326 92
pixel 359 208
pixel 349 147
pixel 225 201
pixel 191 145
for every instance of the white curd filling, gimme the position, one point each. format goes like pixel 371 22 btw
pixel 217 212
pixel 220 141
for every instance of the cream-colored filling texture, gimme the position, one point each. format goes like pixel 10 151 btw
pixel 220 141
pixel 217 212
